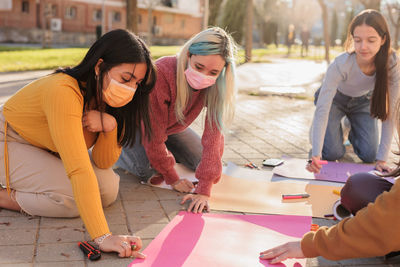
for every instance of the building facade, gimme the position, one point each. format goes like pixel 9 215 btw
pixel 76 22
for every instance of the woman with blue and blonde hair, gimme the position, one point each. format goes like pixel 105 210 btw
pixel 201 75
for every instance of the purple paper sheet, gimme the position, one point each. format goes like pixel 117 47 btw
pixel 333 171
pixel 340 171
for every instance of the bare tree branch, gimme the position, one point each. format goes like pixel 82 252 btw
pixel 372 4
pixel 326 28
pixel 390 7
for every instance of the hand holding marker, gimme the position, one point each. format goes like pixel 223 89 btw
pixel 321 162
pixel 315 164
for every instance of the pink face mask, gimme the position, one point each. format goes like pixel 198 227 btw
pixel 198 80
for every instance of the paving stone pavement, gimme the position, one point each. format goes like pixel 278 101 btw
pixel 267 126
pixel 264 126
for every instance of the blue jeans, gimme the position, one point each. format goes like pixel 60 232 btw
pixel 364 128
pixel 185 146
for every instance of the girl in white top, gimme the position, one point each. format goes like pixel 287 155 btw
pixel 363 85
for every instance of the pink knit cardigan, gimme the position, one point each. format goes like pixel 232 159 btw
pixel 164 123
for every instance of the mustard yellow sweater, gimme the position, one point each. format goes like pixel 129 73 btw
pixel 374 231
pixel 48 114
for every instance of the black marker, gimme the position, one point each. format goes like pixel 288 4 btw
pixel 90 251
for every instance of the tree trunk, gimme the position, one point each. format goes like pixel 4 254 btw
pixel 396 33
pixel 214 7
pixel 395 25
pixel 131 16
pixel 206 14
pixel 261 32
pixel 150 25
pixel 249 30
pixel 371 4
pixel 326 28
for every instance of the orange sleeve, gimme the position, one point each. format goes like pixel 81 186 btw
pixel 106 150
pixel 63 105
pixel 372 232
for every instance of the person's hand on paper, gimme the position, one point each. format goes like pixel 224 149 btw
pixel 283 252
pixel 124 245
pixel 183 186
pixel 198 204
pixel 381 166
pixel 314 166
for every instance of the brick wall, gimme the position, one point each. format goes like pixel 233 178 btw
pixel 81 17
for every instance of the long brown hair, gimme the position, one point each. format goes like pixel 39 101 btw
pixel 380 97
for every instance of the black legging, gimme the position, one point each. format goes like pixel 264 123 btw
pixel 361 189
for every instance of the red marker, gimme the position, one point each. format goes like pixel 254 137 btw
pixel 295 196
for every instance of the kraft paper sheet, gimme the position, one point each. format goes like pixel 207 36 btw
pixel 254 196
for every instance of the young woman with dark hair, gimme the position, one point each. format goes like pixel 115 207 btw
pixel 363 85
pixel 47 128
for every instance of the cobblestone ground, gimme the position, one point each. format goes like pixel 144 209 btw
pixel 267 126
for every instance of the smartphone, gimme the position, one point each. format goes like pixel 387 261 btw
pixel 272 162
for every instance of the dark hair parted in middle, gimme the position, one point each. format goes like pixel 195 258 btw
pixel 374 19
pixel 114 48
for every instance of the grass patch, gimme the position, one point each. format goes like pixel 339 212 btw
pixel 4 48
pixel 35 58
pixel 160 51
pixel 32 58
pixel 264 55
pixel 40 59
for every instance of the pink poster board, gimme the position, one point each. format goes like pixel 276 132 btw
pixel 198 240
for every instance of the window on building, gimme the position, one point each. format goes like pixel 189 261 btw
pixel 168 18
pixel 154 20
pixel 97 15
pixel 167 3
pixel 182 23
pixel 25 6
pixel 139 21
pixel 54 11
pixel 70 12
pixel 116 16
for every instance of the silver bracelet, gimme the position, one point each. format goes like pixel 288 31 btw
pixel 99 240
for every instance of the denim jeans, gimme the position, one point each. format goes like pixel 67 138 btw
pixel 364 128
pixel 185 146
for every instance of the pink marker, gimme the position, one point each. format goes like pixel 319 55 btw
pixel 321 162
pixel 295 196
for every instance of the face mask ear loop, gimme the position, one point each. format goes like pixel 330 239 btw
pixel 102 124
pixel 99 98
pixel 101 113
